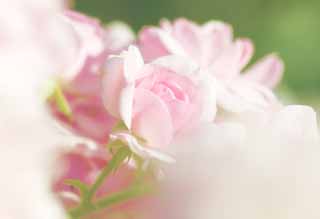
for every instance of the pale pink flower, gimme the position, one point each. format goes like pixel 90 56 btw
pixel 81 83
pixel 34 46
pixel 157 100
pixel 95 44
pixel 211 46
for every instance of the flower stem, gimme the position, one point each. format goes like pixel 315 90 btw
pixel 87 204
pixel 115 198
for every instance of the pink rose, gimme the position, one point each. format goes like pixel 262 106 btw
pixel 82 82
pixel 211 46
pixel 157 100
pixel 95 44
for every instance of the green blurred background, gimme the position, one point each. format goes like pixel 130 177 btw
pixel 289 27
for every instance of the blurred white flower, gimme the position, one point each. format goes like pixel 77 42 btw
pixel 263 169
pixel 33 42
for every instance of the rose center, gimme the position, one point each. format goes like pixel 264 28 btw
pixel 169 91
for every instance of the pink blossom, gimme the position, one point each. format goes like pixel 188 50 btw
pixel 82 87
pixel 157 100
pixel 34 46
pixel 95 44
pixel 211 46
pixel 89 117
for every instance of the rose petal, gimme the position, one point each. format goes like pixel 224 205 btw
pixel 133 63
pixel 186 33
pixel 232 60
pixel 112 83
pixel 267 71
pixel 241 95
pixel 151 119
pixel 151 44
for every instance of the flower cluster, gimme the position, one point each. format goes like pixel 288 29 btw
pixel 139 96
pixel 168 80
pixel 168 123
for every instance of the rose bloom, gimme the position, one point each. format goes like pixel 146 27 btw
pixel 157 100
pixel 211 46
pixel 81 82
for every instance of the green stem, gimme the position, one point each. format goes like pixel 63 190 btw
pixel 87 204
pixel 61 101
pixel 133 192
pixel 115 162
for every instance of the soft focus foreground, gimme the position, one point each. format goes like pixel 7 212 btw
pixel 98 123
pixel 32 50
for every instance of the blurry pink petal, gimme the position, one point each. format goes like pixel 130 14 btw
pixel 126 104
pixel 133 63
pixel 240 96
pixel 151 119
pixel 151 45
pixel 89 118
pixel 90 36
pixel 178 64
pixel 87 80
pixel 118 36
pixel 187 34
pixel 112 83
pixel 230 63
pixel 171 44
pixel 216 37
pixel 208 97
pixel 267 71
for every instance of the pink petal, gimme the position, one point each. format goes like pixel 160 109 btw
pixel 113 82
pixel 89 118
pixel 118 37
pixel 232 60
pixel 216 37
pixel 126 104
pixel 152 120
pixel 187 34
pixel 240 96
pixel 90 35
pixel 267 71
pixel 133 63
pixel 151 44
pixel 180 65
